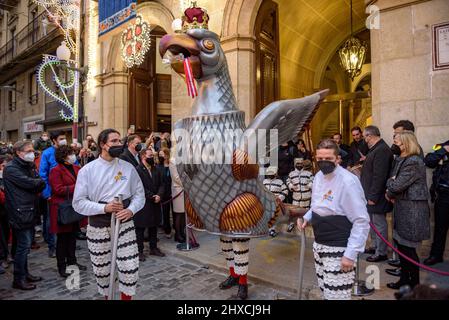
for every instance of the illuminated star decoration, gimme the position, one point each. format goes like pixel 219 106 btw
pixel 50 62
pixel 136 42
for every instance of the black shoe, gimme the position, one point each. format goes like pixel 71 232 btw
pixel 395 285
pixel 377 258
pixel 394 272
pixel 243 291
pixel 290 227
pixel 370 250
pixel 23 285
pixel 229 282
pixel 272 233
pixel 31 278
pixel 63 273
pixel 156 252
pixel 142 257
pixel 430 261
pixel 394 263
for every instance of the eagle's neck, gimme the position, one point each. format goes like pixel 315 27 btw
pixel 215 94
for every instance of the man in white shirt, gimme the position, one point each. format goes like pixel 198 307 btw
pixel 97 184
pixel 340 223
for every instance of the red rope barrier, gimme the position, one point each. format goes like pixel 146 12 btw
pixel 443 273
pixel 172 198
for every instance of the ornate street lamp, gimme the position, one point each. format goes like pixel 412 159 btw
pixel 353 54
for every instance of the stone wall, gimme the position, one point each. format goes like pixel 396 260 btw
pixel 403 81
pixel 404 84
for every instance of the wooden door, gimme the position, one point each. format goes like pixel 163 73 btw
pixel 142 103
pixel 267 54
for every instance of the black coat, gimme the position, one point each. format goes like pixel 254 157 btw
pixel 356 149
pixel 298 154
pixel 128 157
pixel 22 187
pixel 285 161
pixel 375 172
pixel 153 185
pixel 166 180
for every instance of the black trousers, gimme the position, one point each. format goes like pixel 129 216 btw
pixel 441 224
pixel 166 217
pixel 409 271
pixel 65 249
pixel 179 224
pixel 152 233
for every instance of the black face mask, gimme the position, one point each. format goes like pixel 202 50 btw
pixel 270 177
pixel 150 161
pixel 396 150
pixel 299 167
pixel 138 148
pixel 326 166
pixel 115 151
pixel 161 160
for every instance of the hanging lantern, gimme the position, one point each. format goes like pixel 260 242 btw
pixel 353 54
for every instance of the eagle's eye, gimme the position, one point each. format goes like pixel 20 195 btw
pixel 208 44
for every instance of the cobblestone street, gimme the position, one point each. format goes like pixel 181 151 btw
pixel 167 278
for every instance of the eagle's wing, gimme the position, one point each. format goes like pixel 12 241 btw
pixel 289 117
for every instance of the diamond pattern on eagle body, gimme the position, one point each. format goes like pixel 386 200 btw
pixel 211 187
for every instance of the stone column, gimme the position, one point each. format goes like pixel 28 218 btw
pixel 240 53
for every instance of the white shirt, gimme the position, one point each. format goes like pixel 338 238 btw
pixel 101 180
pixel 340 193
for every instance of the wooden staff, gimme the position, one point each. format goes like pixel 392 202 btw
pixel 115 227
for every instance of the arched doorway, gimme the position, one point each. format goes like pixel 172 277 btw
pixel 150 92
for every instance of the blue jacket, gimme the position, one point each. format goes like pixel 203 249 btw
pixel 48 162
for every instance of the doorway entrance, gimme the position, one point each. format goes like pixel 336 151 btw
pixel 150 92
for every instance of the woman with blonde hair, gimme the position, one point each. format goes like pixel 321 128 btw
pixel 407 189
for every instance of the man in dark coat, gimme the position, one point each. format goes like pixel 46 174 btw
pixel 131 153
pixel 375 173
pixel 149 216
pixel 439 161
pixel 345 150
pixel 42 143
pixel 22 186
pixel 358 148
